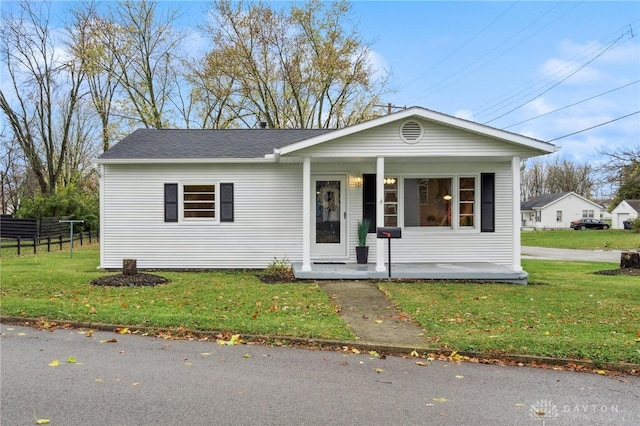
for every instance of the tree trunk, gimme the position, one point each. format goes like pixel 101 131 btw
pixel 129 266
pixel 630 260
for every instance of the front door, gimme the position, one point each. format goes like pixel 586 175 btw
pixel 329 229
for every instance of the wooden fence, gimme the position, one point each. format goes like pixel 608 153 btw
pixel 23 234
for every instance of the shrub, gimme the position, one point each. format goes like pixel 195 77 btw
pixel 67 202
pixel 278 271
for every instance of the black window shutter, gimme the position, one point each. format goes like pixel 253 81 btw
pixel 226 202
pixel 487 202
pixel 170 202
pixel 369 200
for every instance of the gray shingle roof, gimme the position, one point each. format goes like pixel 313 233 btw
pixel 635 204
pixel 541 200
pixel 187 143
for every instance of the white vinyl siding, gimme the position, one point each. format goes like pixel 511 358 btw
pixel 267 222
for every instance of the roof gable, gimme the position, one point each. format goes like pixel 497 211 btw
pixel 634 204
pixel 428 115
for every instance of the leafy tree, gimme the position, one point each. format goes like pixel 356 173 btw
pixel 292 68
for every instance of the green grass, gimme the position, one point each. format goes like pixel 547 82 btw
pixel 610 239
pixel 568 312
pixel 53 286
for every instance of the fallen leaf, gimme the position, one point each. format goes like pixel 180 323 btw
pixel 205 354
pixel 246 356
pixel 54 363
pixel 89 333
pixel 71 360
pixel 379 370
pixel 379 321
pixel 42 421
pixel 459 377
pixel 355 351
pixel 93 311
pixel 602 372
pixel 441 399
pixel 98 380
pixel 109 341
pixel 374 353
pixel 421 363
pixel 123 330
pixel 415 354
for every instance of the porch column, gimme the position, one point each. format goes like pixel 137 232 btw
pixel 517 253
pixel 306 214
pixel 380 242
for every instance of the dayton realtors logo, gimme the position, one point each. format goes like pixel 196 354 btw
pixel 544 411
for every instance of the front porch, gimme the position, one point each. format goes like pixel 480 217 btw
pixel 466 271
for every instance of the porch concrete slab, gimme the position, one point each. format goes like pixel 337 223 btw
pixel 371 316
pixel 472 271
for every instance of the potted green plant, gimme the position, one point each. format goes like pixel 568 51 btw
pixel 362 250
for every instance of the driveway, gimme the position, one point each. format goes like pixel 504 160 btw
pixel 529 252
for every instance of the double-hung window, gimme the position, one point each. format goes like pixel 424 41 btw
pixel 199 201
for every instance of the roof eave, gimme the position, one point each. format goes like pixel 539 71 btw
pixel 266 159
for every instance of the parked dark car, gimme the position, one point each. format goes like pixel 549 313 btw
pixel 586 223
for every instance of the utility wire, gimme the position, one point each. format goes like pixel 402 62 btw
pixel 466 69
pixel 593 127
pixel 476 35
pixel 496 102
pixel 602 52
pixel 573 104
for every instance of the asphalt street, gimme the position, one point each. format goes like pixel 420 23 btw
pixel 139 380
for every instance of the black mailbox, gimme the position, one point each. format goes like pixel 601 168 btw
pixel 389 232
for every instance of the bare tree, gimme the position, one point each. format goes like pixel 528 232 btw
pixel 140 54
pixel 44 89
pixel 622 172
pixel 542 176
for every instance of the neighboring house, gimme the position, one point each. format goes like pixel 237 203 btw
pixel 626 210
pixel 556 211
pixel 206 199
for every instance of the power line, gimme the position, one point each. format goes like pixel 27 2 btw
pixel 573 104
pixel 466 69
pixel 602 52
pixel 461 46
pixel 496 103
pixel 593 127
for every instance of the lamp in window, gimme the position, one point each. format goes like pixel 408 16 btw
pixel 389 181
pixel 447 197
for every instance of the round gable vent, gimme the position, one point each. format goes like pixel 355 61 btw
pixel 411 131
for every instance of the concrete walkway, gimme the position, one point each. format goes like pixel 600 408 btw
pixel 529 252
pixel 371 317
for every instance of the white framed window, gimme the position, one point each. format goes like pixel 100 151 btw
pixel 199 201
pixel 587 213
pixel 558 215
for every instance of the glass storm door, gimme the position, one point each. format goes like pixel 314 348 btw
pixel 329 228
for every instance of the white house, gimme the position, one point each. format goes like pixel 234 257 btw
pixel 557 211
pixel 206 199
pixel 626 210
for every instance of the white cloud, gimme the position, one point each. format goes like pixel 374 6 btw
pixel 538 106
pixel 558 69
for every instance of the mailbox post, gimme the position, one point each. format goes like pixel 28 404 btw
pixel 389 232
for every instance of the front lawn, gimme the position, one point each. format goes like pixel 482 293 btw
pixel 590 239
pixel 53 286
pixel 567 311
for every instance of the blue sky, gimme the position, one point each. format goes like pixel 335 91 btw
pixel 483 60
pixel 505 63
